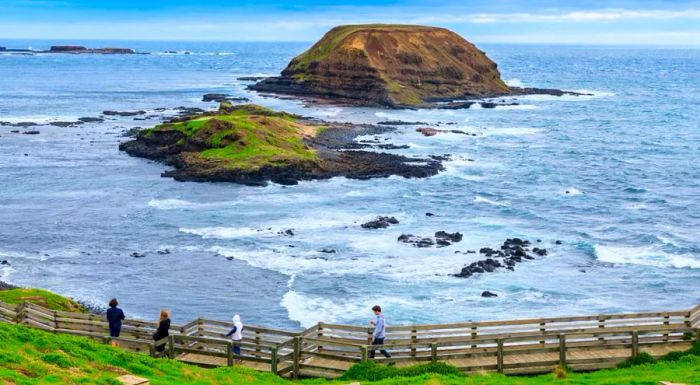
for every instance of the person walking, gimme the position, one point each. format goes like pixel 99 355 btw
pixel 236 335
pixel 163 328
pixel 115 316
pixel 379 331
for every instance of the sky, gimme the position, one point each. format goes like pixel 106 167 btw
pixel 613 22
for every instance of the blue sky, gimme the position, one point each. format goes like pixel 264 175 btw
pixel 653 22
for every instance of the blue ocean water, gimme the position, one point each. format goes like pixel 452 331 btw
pixel 614 176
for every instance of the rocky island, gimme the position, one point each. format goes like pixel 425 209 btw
pixel 392 66
pixel 252 145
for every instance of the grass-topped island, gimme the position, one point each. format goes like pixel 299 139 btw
pixel 252 145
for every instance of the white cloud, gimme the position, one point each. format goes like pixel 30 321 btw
pixel 577 16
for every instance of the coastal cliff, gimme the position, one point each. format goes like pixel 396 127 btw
pixel 252 145
pixel 389 65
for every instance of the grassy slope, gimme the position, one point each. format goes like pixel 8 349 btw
pixel 262 137
pixel 41 297
pixel 333 38
pixel 30 356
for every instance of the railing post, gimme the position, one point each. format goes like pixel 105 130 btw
pixel 273 360
pixel 562 349
pixel 363 353
pixel 229 353
pixel 171 347
pixel 257 342
pixel 319 335
pixel 666 324
pixel 543 330
pixel 474 334
pixel 635 343
pixel 296 357
pixel 152 350
pixel 414 340
pixel 499 358
pixel 601 325
pixel 21 312
pixel 433 352
pixel 697 335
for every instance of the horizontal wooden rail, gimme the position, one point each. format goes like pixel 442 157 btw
pixel 327 349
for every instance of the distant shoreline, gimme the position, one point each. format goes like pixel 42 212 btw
pixel 74 49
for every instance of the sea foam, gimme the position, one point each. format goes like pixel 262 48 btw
pixel 645 255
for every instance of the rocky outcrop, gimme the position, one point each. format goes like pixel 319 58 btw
pixel 389 65
pixel 511 252
pixel 82 50
pixel 252 145
pixel 392 66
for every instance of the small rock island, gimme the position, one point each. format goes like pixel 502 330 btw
pixel 251 145
pixel 392 66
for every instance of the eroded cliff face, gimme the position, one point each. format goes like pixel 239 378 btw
pixel 390 65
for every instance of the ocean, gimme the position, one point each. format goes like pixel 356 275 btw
pixel 614 176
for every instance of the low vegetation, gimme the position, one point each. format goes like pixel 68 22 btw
pixel 41 297
pixel 31 356
pixel 246 137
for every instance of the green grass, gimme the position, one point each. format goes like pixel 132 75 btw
pixel 248 137
pixel 41 297
pixel 31 356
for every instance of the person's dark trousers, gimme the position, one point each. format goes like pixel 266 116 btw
pixel 379 341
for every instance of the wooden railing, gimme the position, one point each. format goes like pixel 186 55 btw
pixel 327 350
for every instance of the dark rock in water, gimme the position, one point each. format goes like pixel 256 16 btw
pixel 230 258
pixel 558 242
pixel 392 146
pixel 89 119
pixel 488 294
pixel 138 255
pixel 4 262
pixel 399 123
pixel 65 124
pixel 15 131
pixel 214 97
pixel 130 133
pixel 429 214
pixel 123 113
pixel 250 78
pixel 428 131
pixel 513 251
pixel 7 286
pixel 32 132
pixel 289 232
pixel 327 251
pixel 442 243
pixel 19 124
pixel 540 252
pixel 380 223
pixel 416 241
pixel 451 237
pixel 164 252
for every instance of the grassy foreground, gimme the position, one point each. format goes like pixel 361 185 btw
pixel 31 356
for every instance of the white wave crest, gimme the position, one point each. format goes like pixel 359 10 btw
pixel 480 199
pixel 645 255
pixel 222 232
pixel 171 204
pixel 515 82
pixel 512 131
pixel 572 191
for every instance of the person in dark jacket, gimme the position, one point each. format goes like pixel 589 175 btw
pixel 115 316
pixel 163 328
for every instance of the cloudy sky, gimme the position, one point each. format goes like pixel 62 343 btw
pixel 617 22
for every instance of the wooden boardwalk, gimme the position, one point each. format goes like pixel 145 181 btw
pixel 327 350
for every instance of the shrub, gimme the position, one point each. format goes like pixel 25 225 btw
pixel 675 356
pixel 640 359
pixel 561 372
pixel 372 371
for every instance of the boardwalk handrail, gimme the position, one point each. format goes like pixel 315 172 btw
pixel 327 349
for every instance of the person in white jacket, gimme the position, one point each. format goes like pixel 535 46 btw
pixel 236 335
